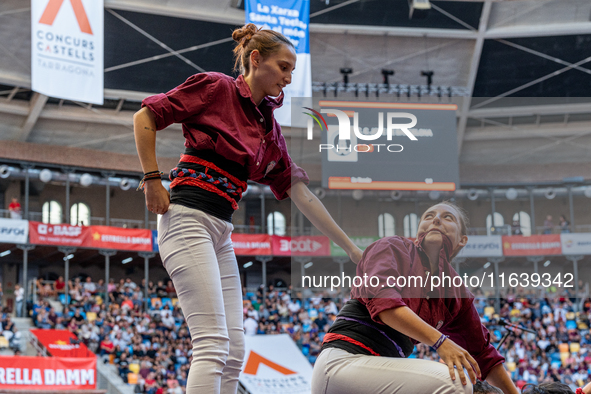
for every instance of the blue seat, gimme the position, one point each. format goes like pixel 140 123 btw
pixel 571 325
pixel 166 301
pixel 62 298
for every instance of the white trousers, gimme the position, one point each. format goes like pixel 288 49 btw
pixel 197 252
pixel 339 372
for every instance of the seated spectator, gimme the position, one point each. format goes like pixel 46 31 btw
pixel 59 285
pixel 89 286
pixel 170 291
pixel 161 290
pixel 516 228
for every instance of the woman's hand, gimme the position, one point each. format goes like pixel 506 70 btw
pixel 454 355
pixel 157 197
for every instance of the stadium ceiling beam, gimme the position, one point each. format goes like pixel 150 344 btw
pixel 75 114
pixel 529 110
pixel 549 130
pixel 541 30
pixel 474 65
pixel 35 107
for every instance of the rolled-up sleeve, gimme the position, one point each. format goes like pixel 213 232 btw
pixel 468 332
pixel 385 258
pixel 186 100
pixel 285 174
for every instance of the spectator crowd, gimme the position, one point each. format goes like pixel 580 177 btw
pixel 152 348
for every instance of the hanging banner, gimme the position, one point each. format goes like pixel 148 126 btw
pixel 305 245
pixel 14 231
pixel 292 19
pixel 274 364
pixel 67 49
pixel 155 241
pixel 483 246
pixel 361 242
pixel 57 374
pixel 58 234
pixel 576 243
pixel 105 237
pixel 61 343
pixel 536 245
pixel 252 244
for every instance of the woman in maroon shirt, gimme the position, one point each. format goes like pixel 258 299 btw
pixel 387 316
pixel 231 136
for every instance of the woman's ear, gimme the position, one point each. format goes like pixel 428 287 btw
pixel 463 241
pixel 255 58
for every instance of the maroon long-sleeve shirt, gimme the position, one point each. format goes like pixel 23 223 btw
pixel 450 310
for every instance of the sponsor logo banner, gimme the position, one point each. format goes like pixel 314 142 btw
pixel 576 243
pixel 55 374
pixel 274 364
pixel 104 237
pixel 67 49
pixel 482 246
pixel 313 245
pixel 361 242
pixel 58 234
pixel 536 245
pixel 61 343
pixel 14 231
pixel 251 244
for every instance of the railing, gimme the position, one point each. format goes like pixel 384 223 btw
pixel 293 230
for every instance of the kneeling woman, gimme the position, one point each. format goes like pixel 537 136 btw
pixel 367 347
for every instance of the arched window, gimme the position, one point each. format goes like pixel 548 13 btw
pixel 524 221
pixel 499 222
pixel 51 212
pixel 411 224
pixel 276 223
pixel 386 225
pixel 80 215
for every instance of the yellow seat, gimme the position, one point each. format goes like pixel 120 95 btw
pixel 489 310
pixel 511 366
pixel 90 316
pixel 3 342
pixel 99 300
pixel 575 347
pixel 563 348
pixel 156 303
pixel 135 368
pixel 132 378
pixel 570 316
pixel 564 356
pixel 175 301
pixel 583 326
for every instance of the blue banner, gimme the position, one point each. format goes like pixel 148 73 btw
pixel 292 19
pixel 155 241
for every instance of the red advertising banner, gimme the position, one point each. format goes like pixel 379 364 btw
pixel 47 373
pixel 536 245
pixel 61 343
pixel 105 237
pixel 251 244
pixel 57 234
pixel 312 245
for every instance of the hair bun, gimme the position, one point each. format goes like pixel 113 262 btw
pixel 245 33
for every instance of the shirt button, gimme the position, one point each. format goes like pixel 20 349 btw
pixel 427 297
pixel 258 162
pixel 262 120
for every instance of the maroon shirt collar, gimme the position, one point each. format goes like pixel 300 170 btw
pixel 244 90
pixel 445 253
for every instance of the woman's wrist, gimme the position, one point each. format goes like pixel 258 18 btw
pixel 439 342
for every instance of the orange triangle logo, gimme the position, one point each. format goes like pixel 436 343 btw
pixel 54 6
pixel 254 360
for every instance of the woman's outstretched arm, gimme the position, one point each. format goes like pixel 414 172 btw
pixel 314 210
pixel 144 130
